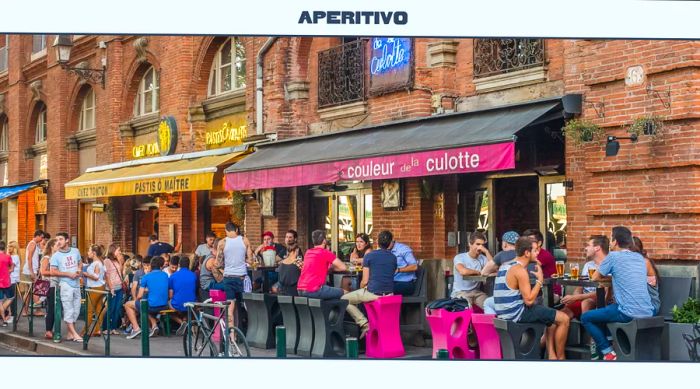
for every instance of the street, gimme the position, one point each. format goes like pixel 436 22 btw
pixel 12 352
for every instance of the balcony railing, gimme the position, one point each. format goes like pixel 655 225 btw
pixel 341 74
pixel 498 56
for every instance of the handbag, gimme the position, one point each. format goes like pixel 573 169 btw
pixel 125 285
pixel 41 287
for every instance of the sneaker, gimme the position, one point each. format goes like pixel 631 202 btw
pixel 363 331
pixel 133 334
pixel 611 356
pixel 154 332
pixel 10 320
pixel 181 331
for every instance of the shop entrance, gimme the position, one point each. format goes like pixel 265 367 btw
pixel 146 221
pixel 343 212
pixel 86 229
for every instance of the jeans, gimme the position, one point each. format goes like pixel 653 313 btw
pixel 489 306
pixel 233 286
pixel 115 310
pixel 50 308
pixel 325 293
pixel 405 288
pixel 594 322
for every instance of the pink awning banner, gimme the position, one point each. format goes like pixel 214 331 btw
pixel 471 159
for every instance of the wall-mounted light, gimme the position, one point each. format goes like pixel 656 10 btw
pixel 63 45
pixel 613 146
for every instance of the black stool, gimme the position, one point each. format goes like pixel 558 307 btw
pixel 329 335
pixel 638 340
pixel 519 340
pixel 306 326
pixel 262 309
pixel 291 322
pixel 577 342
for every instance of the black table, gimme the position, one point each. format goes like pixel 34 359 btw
pixel 265 275
pixel 338 276
pixel 584 282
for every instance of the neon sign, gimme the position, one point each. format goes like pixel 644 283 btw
pixel 391 64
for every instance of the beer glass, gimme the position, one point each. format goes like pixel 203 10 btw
pixel 591 270
pixel 560 268
pixel 573 268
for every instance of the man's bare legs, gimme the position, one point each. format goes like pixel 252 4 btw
pixel 561 332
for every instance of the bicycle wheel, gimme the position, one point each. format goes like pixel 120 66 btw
pixel 238 348
pixel 199 343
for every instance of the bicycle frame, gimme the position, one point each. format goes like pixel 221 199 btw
pixel 200 318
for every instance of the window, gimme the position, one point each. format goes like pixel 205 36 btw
pixel 228 70
pixel 147 99
pixel 4 135
pixel 498 56
pixel 341 74
pixel 40 129
pixel 38 45
pixel 3 52
pixel 87 112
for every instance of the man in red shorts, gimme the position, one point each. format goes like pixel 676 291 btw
pixel 584 299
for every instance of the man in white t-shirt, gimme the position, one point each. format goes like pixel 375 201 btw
pixel 67 266
pixel 470 264
pixel 584 299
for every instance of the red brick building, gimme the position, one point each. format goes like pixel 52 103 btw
pixel 322 89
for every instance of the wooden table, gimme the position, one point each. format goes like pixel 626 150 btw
pixel 600 286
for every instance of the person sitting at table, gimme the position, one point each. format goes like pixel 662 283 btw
pixel 629 281
pixel 363 246
pixel 406 266
pixel 377 280
pixel 584 299
pixel 182 285
pixel 290 267
pixel 317 261
pixel 270 251
pixel 652 275
pixel 470 264
pixel 491 269
pixel 515 298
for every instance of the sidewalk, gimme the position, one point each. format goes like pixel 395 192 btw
pixel 160 346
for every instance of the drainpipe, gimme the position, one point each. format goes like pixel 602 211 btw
pixel 259 85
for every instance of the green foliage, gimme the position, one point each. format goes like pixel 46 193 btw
pixel 648 125
pixel 689 312
pixel 582 131
pixel 238 204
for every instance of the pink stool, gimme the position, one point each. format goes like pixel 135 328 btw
pixel 489 342
pixel 384 334
pixel 217 296
pixel 449 331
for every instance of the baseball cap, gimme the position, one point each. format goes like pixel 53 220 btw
pixel 511 237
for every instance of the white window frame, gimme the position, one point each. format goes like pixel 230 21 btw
pixel 87 106
pixel 140 101
pixel 4 59
pixel 40 129
pixel 5 135
pixel 216 70
pixel 40 53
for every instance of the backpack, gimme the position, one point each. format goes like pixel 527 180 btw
pixel 449 304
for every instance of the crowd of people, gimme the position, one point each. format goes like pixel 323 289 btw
pixel 523 265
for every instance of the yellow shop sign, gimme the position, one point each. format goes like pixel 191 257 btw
pixel 226 132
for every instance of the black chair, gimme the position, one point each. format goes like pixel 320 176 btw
pixel 263 316
pixel 638 340
pixel 329 335
pixel 306 326
pixel 673 291
pixel 413 306
pixel 578 342
pixel 290 319
pixel 519 340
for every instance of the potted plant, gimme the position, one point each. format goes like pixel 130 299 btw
pixel 647 125
pixel 682 336
pixel 582 131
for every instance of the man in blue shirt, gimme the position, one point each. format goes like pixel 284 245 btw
pixel 181 289
pixel 406 266
pixel 629 280
pixel 155 284
pixel 378 271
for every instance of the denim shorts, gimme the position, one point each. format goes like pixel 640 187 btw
pixel 538 314
pixel 233 286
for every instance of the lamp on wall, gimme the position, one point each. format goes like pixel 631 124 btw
pixel 63 45
pixel 613 146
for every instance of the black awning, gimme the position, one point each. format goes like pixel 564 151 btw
pixel 432 133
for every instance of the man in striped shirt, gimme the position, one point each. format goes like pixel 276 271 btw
pixel 515 297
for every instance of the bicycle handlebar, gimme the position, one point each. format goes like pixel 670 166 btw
pixel 208 305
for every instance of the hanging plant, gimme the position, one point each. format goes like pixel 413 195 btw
pixel 648 125
pixel 238 204
pixel 582 131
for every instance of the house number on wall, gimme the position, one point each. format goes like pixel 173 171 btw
pixel 635 76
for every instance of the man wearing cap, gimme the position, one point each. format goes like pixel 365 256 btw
pixel 491 268
pixel 269 244
pixel 470 264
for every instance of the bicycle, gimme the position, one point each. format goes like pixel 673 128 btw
pixel 201 327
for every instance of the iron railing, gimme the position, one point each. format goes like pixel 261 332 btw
pixel 497 56
pixel 341 74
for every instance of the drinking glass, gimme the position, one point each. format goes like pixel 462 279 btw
pixel 560 268
pixel 573 268
pixel 591 270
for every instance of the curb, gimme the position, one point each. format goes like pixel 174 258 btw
pixel 37 346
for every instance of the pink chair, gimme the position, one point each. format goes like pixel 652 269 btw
pixel 384 334
pixel 486 335
pixel 217 296
pixel 449 331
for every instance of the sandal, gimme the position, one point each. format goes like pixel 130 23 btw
pixel 48 335
pixel 116 332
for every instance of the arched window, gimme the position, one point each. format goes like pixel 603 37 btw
pixel 40 129
pixel 147 99
pixel 87 112
pixel 228 70
pixel 4 135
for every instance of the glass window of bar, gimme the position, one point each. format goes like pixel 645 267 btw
pixel 229 68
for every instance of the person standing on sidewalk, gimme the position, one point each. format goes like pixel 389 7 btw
pixel 30 270
pixel 13 252
pixel 49 250
pixel 95 275
pixel 6 268
pixel 114 280
pixel 232 254
pixel 65 264
pixel 378 271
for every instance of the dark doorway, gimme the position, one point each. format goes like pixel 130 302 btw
pixel 517 204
